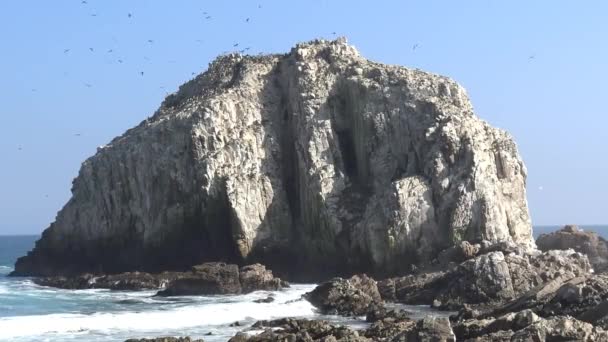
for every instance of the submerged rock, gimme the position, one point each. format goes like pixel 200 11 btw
pixel 350 297
pixel 310 162
pixel 572 237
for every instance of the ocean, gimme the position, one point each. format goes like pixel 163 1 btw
pixel 29 312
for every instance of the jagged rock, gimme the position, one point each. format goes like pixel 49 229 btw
pixel 428 329
pixel 290 329
pixel 165 339
pixel 571 236
pixel 396 329
pixel 525 326
pixel 473 328
pixel 313 161
pixel 387 323
pixel 204 279
pixel 257 277
pixel 122 281
pixel 354 296
pixel 459 253
pixel 222 278
pixel 560 329
pixel 494 277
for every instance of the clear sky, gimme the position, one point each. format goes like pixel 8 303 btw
pixel 538 69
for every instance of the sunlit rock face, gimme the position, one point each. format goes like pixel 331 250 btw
pixel 313 161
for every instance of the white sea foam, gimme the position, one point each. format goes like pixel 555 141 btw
pixel 216 311
pixel 5 269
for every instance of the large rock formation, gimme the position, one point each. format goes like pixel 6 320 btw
pixel 317 157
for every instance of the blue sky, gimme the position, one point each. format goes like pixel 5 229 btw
pixel 538 69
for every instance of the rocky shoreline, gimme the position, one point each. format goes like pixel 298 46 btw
pixel 317 163
pixel 501 292
pixel 206 279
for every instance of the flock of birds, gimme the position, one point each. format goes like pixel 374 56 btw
pixel 206 16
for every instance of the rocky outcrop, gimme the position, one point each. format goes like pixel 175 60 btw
pixel 498 276
pixel 571 236
pixel 315 160
pixel 121 281
pixel 387 329
pixel 350 297
pixel 527 326
pixel 584 297
pixel 221 278
pixel 205 279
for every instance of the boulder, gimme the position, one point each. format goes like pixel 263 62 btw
pixel 387 329
pixel 206 279
pixel 428 329
pixel 354 296
pixel 560 329
pixel 572 237
pixel 256 277
pixel 473 328
pixel 495 278
pixel 314 161
pixel 290 329
pixel 458 253
pixel 527 326
pixel 221 278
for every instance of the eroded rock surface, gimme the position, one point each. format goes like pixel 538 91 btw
pixel 316 160
pixel 350 297
pixel 221 278
pixel 498 276
pixel 387 329
pixel 572 237
pixel 205 279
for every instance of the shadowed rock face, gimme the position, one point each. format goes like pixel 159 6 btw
pixel 311 162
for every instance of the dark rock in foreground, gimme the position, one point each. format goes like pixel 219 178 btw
pixel 402 329
pixel 205 279
pixel 527 326
pixel 571 236
pixel 522 326
pixel 349 297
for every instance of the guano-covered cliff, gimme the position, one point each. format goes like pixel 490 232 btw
pixel 315 160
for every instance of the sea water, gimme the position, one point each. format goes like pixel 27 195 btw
pixel 29 312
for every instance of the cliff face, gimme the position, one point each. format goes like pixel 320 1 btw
pixel 316 159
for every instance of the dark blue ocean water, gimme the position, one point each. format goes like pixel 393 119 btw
pixel 33 313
